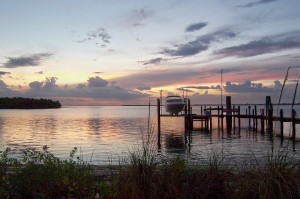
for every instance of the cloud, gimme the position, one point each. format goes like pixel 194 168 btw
pixel 36 85
pixel 203 87
pixel 137 17
pixel 49 89
pixel 48 84
pixel 3 85
pixel 248 86
pixel 278 85
pixel 198 45
pixel 4 73
pixel 97 82
pixel 184 89
pixel 81 86
pixel 99 36
pixel 196 26
pixel 152 61
pixel 269 44
pixel 98 73
pixel 144 88
pixel 24 61
pixel 157 78
pixel 39 73
pixel 98 89
pixel 5 91
pixel 255 3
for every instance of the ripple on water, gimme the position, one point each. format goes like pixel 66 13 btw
pixel 104 134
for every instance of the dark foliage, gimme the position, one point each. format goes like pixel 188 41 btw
pixel 27 103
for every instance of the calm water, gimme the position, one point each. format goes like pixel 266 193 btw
pixel 106 133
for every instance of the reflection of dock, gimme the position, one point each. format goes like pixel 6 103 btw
pixel 232 115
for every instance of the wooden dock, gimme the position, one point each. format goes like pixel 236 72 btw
pixel 233 116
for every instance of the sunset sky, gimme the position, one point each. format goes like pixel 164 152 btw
pixel 112 52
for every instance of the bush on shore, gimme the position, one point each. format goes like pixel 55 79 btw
pixel 39 174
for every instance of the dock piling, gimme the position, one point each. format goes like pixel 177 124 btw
pixel 228 114
pixel 281 124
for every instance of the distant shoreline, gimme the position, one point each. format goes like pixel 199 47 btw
pixel 28 103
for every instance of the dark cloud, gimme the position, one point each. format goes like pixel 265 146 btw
pixel 278 85
pixel 184 89
pixel 144 88
pixel 203 87
pixel 4 73
pixel 97 82
pixel 137 17
pixel 255 3
pixel 248 86
pixel 196 26
pixel 24 61
pixel 97 89
pixel 48 84
pixel 36 85
pixel 264 45
pixel 81 86
pixel 5 91
pixel 3 85
pixel 98 73
pixel 198 45
pixel 99 36
pixel 39 73
pixel 152 61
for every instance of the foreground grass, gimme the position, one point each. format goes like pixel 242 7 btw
pixel 144 174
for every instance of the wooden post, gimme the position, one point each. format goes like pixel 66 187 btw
pixel 239 118
pixel 218 118
pixel 201 114
pixel 234 116
pixel 210 119
pixel 253 119
pixel 294 124
pixel 228 117
pixel 281 123
pixel 189 115
pixel 158 123
pixel 222 117
pixel 185 116
pixel 249 115
pixel 268 103
pixel 262 120
pixel 268 107
pixel 270 120
pixel 255 115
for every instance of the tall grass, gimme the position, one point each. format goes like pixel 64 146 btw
pixel 278 177
pixel 147 175
pixel 39 174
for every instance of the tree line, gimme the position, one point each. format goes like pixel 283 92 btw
pixel 27 103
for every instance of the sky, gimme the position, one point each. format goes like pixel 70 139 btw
pixel 114 52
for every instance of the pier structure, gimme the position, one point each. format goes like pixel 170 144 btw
pixel 233 116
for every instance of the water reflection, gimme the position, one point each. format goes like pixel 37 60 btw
pixel 95 125
pixel 175 142
pixel 108 132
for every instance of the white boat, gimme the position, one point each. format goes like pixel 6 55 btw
pixel 174 104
